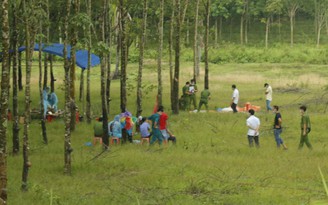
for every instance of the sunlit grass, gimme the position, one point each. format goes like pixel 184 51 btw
pixel 211 163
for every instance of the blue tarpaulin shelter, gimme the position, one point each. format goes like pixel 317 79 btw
pixel 57 49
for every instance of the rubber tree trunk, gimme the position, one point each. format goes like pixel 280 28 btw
pixel 68 102
pixel 88 98
pixel 207 31
pixel 5 75
pixel 15 85
pixel 160 53
pixel 123 45
pixel 141 58
pixel 196 59
pixel 177 59
pixel 171 52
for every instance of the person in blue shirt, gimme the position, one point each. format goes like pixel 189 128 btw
pixel 145 128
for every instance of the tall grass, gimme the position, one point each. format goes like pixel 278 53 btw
pixel 211 163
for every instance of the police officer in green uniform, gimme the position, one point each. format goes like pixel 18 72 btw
pixel 204 97
pixel 185 95
pixel 305 128
pixel 192 91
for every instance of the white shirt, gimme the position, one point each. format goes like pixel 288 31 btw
pixel 269 93
pixel 252 123
pixel 235 96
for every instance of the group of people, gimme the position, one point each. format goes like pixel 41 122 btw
pixel 153 127
pixel 50 101
pixel 253 122
pixel 188 97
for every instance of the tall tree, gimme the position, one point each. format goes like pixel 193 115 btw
pixel 196 59
pixel 74 40
pixel 108 43
pixel 88 98
pixel 171 52
pixel 123 46
pixel 29 13
pixel 4 101
pixel 177 58
pixel 207 28
pixel 141 57
pixel 15 70
pixel 291 7
pixel 68 102
pixel 103 80
pixel 160 53
pixel 42 117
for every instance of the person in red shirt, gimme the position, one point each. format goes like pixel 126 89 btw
pixel 167 135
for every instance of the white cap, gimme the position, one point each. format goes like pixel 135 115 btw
pixel 140 117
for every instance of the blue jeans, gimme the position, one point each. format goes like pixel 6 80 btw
pixel 277 137
pixel 268 105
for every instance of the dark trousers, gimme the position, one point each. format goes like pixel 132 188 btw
pixel 234 107
pixel 255 138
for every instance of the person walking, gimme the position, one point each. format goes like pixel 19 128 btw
pixel 268 96
pixel 167 135
pixel 204 97
pixel 305 128
pixel 157 135
pixel 235 98
pixel 253 124
pixel 277 129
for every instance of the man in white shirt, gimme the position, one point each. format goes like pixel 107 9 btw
pixel 268 96
pixel 253 124
pixel 235 98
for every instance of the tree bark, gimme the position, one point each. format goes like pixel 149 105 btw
pixel 196 61
pixel 81 93
pixel 171 53
pixel 207 28
pixel 141 58
pixel 30 37
pixel 4 101
pixel 20 82
pixel 15 90
pixel 103 81
pixel 267 25
pixel 68 101
pixel 108 43
pixel 177 59
pixel 88 98
pixel 160 53
pixel 42 119
pixel 123 45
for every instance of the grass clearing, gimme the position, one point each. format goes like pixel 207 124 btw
pixel 211 163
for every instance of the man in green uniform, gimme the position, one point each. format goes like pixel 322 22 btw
pixel 192 91
pixel 204 97
pixel 185 95
pixel 305 128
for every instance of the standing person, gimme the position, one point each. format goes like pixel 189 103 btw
pixel 277 129
pixel 235 98
pixel 204 97
pixel 185 95
pixel 167 135
pixel 268 96
pixel 305 128
pixel 253 124
pixel 192 91
pixel 157 135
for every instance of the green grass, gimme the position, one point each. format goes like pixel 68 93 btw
pixel 211 163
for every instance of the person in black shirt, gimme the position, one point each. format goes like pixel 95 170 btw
pixel 277 127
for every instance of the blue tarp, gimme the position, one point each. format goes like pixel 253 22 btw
pixel 57 49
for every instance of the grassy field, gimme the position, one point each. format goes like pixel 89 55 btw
pixel 211 163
